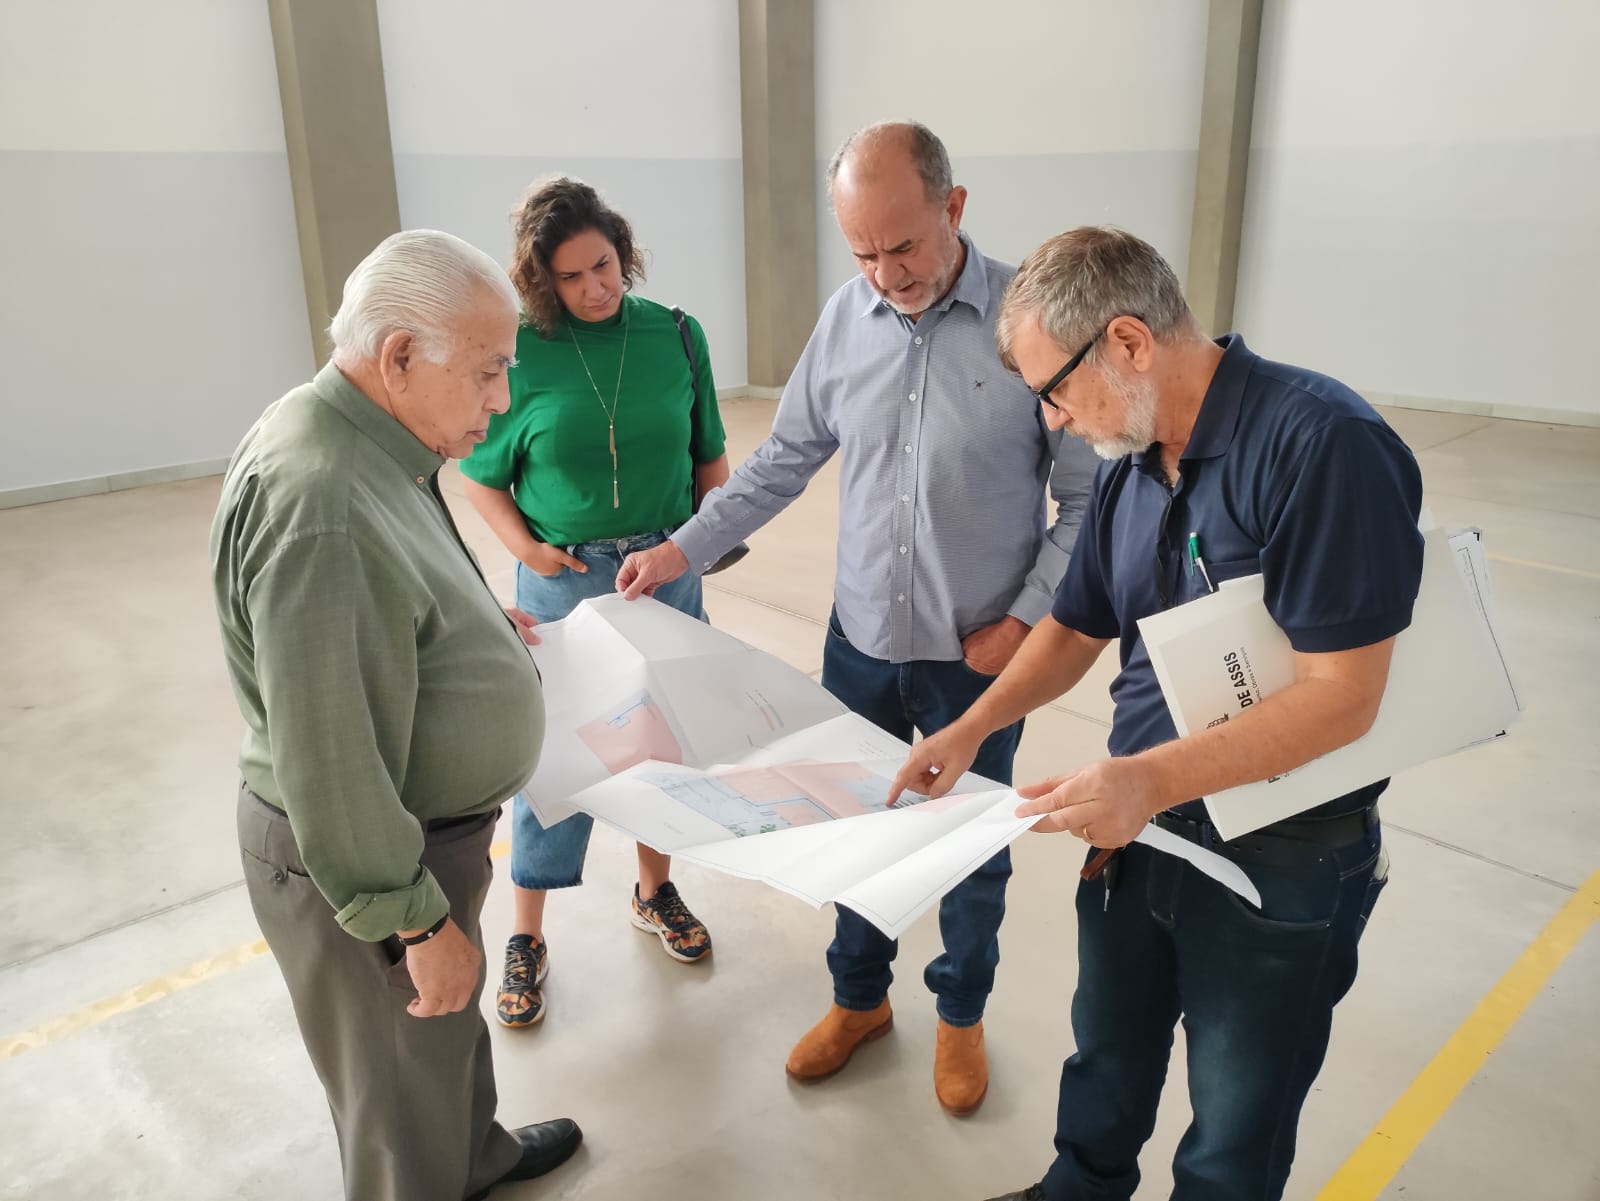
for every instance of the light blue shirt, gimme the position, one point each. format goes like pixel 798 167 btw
pixel 943 526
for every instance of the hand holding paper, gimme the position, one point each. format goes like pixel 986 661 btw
pixel 1106 804
pixel 695 744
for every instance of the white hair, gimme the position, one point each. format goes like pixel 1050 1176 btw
pixel 421 282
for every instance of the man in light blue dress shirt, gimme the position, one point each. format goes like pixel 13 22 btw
pixel 947 557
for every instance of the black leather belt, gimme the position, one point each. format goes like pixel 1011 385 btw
pixel 1268 844
pixel 432 826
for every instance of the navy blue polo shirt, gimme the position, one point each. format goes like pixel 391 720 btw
pixel 1287 473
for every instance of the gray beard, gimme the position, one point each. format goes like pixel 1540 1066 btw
pixel 1138 398
pixel 941 285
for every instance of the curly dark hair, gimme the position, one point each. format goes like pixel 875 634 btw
pixel 556 208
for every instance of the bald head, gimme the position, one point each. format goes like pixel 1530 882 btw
pixel 878 153
pixel 900 213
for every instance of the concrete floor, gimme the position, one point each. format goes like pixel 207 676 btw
pixel 120 868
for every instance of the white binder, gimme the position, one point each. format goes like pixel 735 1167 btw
pixel 1449 687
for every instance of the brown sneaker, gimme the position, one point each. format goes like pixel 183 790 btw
pixel 828 1045
pixel 960 1068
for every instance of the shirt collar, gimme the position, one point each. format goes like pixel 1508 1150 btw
pixel 1218 418
pixel 336 390
pixel 971 287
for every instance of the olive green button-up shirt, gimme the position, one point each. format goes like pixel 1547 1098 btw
pixel 381 683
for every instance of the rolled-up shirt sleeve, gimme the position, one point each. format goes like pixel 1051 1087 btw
pixel 336 663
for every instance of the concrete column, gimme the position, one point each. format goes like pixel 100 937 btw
pixel 778 107
pixel 336 121
pixel 1233 39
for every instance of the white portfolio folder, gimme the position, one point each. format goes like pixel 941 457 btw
pixel 1449 687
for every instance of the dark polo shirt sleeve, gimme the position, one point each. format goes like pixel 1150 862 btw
pixel 1343 556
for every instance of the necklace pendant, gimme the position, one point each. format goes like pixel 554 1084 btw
pixel 611 412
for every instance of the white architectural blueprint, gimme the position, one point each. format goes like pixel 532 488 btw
pixel 691 742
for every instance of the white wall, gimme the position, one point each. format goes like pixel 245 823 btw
pixel 1423 212
pixel 152 302
pixel 1056 113
pixel 1421 220
pixel 637 97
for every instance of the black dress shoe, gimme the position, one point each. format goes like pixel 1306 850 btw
pixel 545 1146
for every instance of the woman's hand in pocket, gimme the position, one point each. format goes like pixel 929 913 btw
pixel 547 560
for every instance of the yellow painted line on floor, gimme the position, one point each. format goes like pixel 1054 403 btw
pixel 1380 1157
pixel 93 1014
pixel 1363 1176
pixel 154 990
pixel 1582 575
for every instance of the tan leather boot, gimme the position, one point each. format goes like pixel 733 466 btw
pixel 960 1068
pixel 828 1045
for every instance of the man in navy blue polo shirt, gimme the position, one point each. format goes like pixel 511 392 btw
pixel 1262 468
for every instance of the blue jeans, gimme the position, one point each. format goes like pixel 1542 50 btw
pixel 553 858
pixel 927 696
pixel 1255 989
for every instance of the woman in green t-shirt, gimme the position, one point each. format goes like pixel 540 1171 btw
pixel 607 447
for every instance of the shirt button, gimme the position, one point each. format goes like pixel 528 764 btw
pixel 902 550
pixel 912 397
pixel 908 448
pixel 918 339
pixel 420 480
pixel 901 598
pixel 906 498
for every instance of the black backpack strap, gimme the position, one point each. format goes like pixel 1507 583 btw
pixel 682 323
pixel 743 549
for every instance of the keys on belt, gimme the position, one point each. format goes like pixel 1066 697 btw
pixel 1106 864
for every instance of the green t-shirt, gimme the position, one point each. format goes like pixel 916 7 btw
pixel 552 449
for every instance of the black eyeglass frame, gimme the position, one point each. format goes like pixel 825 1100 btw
pixel 1054 382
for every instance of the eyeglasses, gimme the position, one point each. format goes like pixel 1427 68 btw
pixel 1054 382
pixel 1043 392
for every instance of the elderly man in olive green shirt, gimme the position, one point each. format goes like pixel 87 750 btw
pixel 391 707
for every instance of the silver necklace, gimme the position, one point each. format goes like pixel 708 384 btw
pixel 611 413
